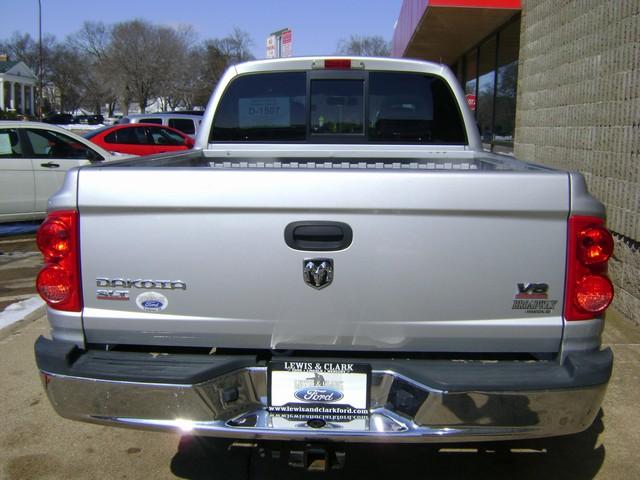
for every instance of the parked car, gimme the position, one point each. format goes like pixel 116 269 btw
pixel 186 123
pixel 199 113
pixel 34 158
pixel 112 120
pixel 89 119
pixel 140 139
pixel 59 119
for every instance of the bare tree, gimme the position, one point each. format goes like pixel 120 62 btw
pixel 236 46
pixel 132 61
pixel 24 48
pixel 131 56
pixel 177 78
pixel 215 56
pixel 210 64
pixel 93 38
pixel 370 46
pixel 67 72
pixel 143 57
pixel 184 91
pixel 101 86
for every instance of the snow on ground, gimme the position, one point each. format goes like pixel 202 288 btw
pixel 20 310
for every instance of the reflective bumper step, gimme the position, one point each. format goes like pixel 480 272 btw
pixel 410 401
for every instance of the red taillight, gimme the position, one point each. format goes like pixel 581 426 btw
pixel 58 282
pixel 588 290
pixel 337 64
pixel 595 245
pixel 54 284
pixel 53 239
pixel 593 293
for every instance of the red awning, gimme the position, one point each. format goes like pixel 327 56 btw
pixel 442 30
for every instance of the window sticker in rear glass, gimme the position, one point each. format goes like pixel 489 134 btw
pixel 263 112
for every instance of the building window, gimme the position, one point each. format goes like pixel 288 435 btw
pixel 486 90
pixel 490 85
pixel 471 72
pixel 506 86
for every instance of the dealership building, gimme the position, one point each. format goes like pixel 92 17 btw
pixel 556 83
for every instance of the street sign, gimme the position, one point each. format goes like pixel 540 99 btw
pixel 471 101
pixel 286 38
pixel 272 46
pixel 279 44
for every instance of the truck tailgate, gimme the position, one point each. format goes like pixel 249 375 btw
pixel 440 260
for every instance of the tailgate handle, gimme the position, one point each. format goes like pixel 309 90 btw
pixel 318 236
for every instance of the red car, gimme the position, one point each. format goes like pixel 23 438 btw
pixel 140 139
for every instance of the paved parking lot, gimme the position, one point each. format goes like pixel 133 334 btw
pixel 35 443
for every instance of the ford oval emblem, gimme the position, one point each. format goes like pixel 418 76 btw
pixel 318 395
pixel 152 304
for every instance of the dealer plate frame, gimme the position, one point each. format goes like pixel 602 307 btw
pixel 331 375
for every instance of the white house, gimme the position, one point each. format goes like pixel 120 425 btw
pixel 17 87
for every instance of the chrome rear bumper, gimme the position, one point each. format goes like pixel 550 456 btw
pixel 234 405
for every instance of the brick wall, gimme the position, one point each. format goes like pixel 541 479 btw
pixel 579 109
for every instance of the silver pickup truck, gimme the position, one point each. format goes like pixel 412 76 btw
pixel 338 260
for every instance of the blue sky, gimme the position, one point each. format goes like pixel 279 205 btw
pixel 317 25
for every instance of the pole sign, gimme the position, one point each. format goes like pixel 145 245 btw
pixel 286 44
pixel 272 46
pixel 279 44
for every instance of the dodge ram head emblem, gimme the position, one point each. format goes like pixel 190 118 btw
pixel 317 272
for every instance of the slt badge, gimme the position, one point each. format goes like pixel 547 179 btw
pixel 317 272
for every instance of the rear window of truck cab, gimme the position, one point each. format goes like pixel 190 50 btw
pixel 366 107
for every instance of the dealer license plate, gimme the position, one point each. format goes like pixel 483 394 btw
pixel 319 388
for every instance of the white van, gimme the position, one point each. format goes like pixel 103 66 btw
pixel 186 123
